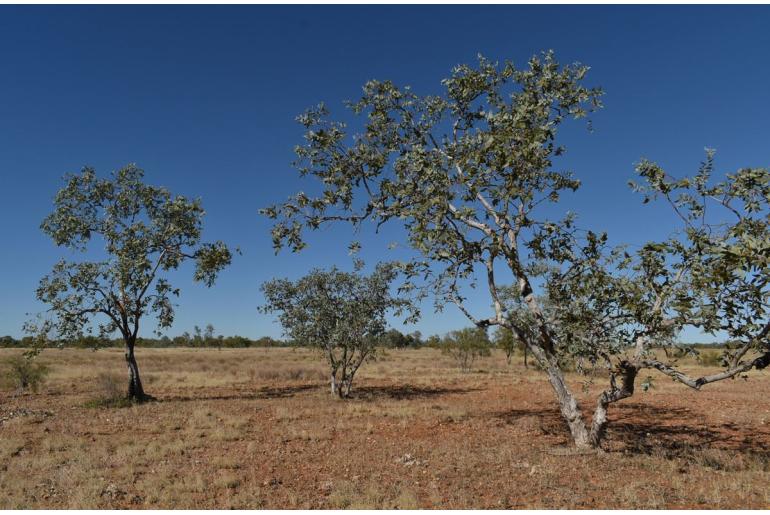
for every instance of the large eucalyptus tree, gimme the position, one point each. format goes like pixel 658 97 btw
pixel 467 174
pixel 140 232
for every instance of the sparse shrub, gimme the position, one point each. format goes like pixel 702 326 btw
pixel 711 358
pixel 111 392
pixel 466 345
pixel 291 373
pixel 25 374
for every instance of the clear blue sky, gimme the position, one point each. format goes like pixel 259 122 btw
pixel 204 99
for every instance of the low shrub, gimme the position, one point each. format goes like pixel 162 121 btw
pixel 111 392
pixel 24 373
pixel 711 358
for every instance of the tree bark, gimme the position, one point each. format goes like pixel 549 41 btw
pixel 333 382
pixel 570 410
pixel 135 389
pixel 627 373
pixel 348 385
pixel 568 405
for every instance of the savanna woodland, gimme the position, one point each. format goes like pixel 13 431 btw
pixel 574 376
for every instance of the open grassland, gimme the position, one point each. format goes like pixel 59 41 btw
pixel 257 428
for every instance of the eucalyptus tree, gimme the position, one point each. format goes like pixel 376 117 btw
pixel 143 231
pixel 712 274
pixel 463 172
pixel 467 174
pixel 621 313
pixel 342 314
pixel 465 346
pixel 506 341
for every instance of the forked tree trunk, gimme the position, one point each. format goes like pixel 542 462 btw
pixel 568 405
pixel 135 390
pixel 339 387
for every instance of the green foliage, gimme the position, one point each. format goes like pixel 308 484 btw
pixel 340 313
pixel 506 341
pixel 23 373
pixel 184 340
pixel 715 273
pixel 465 346
pixel 466 173
pixel 711 359
pixel 395 339
pixel 460 171
pixel 145 232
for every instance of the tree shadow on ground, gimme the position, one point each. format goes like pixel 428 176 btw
pixel 404 392
pixel 546 420
pixel 641 429
pixel 638 428
pixel 267 392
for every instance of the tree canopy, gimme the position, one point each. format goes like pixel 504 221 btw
pixel 144 231
pixel 340 313
pixel 467 173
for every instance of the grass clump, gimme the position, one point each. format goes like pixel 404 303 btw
pixel 111 393
pixel 24 373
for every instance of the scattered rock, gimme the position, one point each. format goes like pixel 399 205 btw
pixel 408 460
pixel 113 493
pixel 24 412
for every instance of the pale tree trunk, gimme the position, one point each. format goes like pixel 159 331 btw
pixel 627 377
pixel 568 405
pixel 570 410
pixel 333 382
pixel 135 389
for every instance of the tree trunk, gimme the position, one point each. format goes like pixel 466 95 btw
pixel 339 385
pixel 333 382
pixel 135 390
pixel 568 405
pixel 599 425
pixel 348 386
pixel 525 357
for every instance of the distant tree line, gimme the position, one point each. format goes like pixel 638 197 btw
pixel 183 340
pixel 392 338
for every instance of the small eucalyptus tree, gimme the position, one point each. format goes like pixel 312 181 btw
pixel 467 174
pixel 465 346
pixel 342 314
pixel 506 341
pixel 143 232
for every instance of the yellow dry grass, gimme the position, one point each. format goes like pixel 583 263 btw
pixel 257 428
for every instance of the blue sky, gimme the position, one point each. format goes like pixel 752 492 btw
pixel 204 99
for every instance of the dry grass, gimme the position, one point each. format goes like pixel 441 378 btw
pixel 257 428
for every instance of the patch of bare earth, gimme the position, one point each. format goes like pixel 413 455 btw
pixel 257 428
